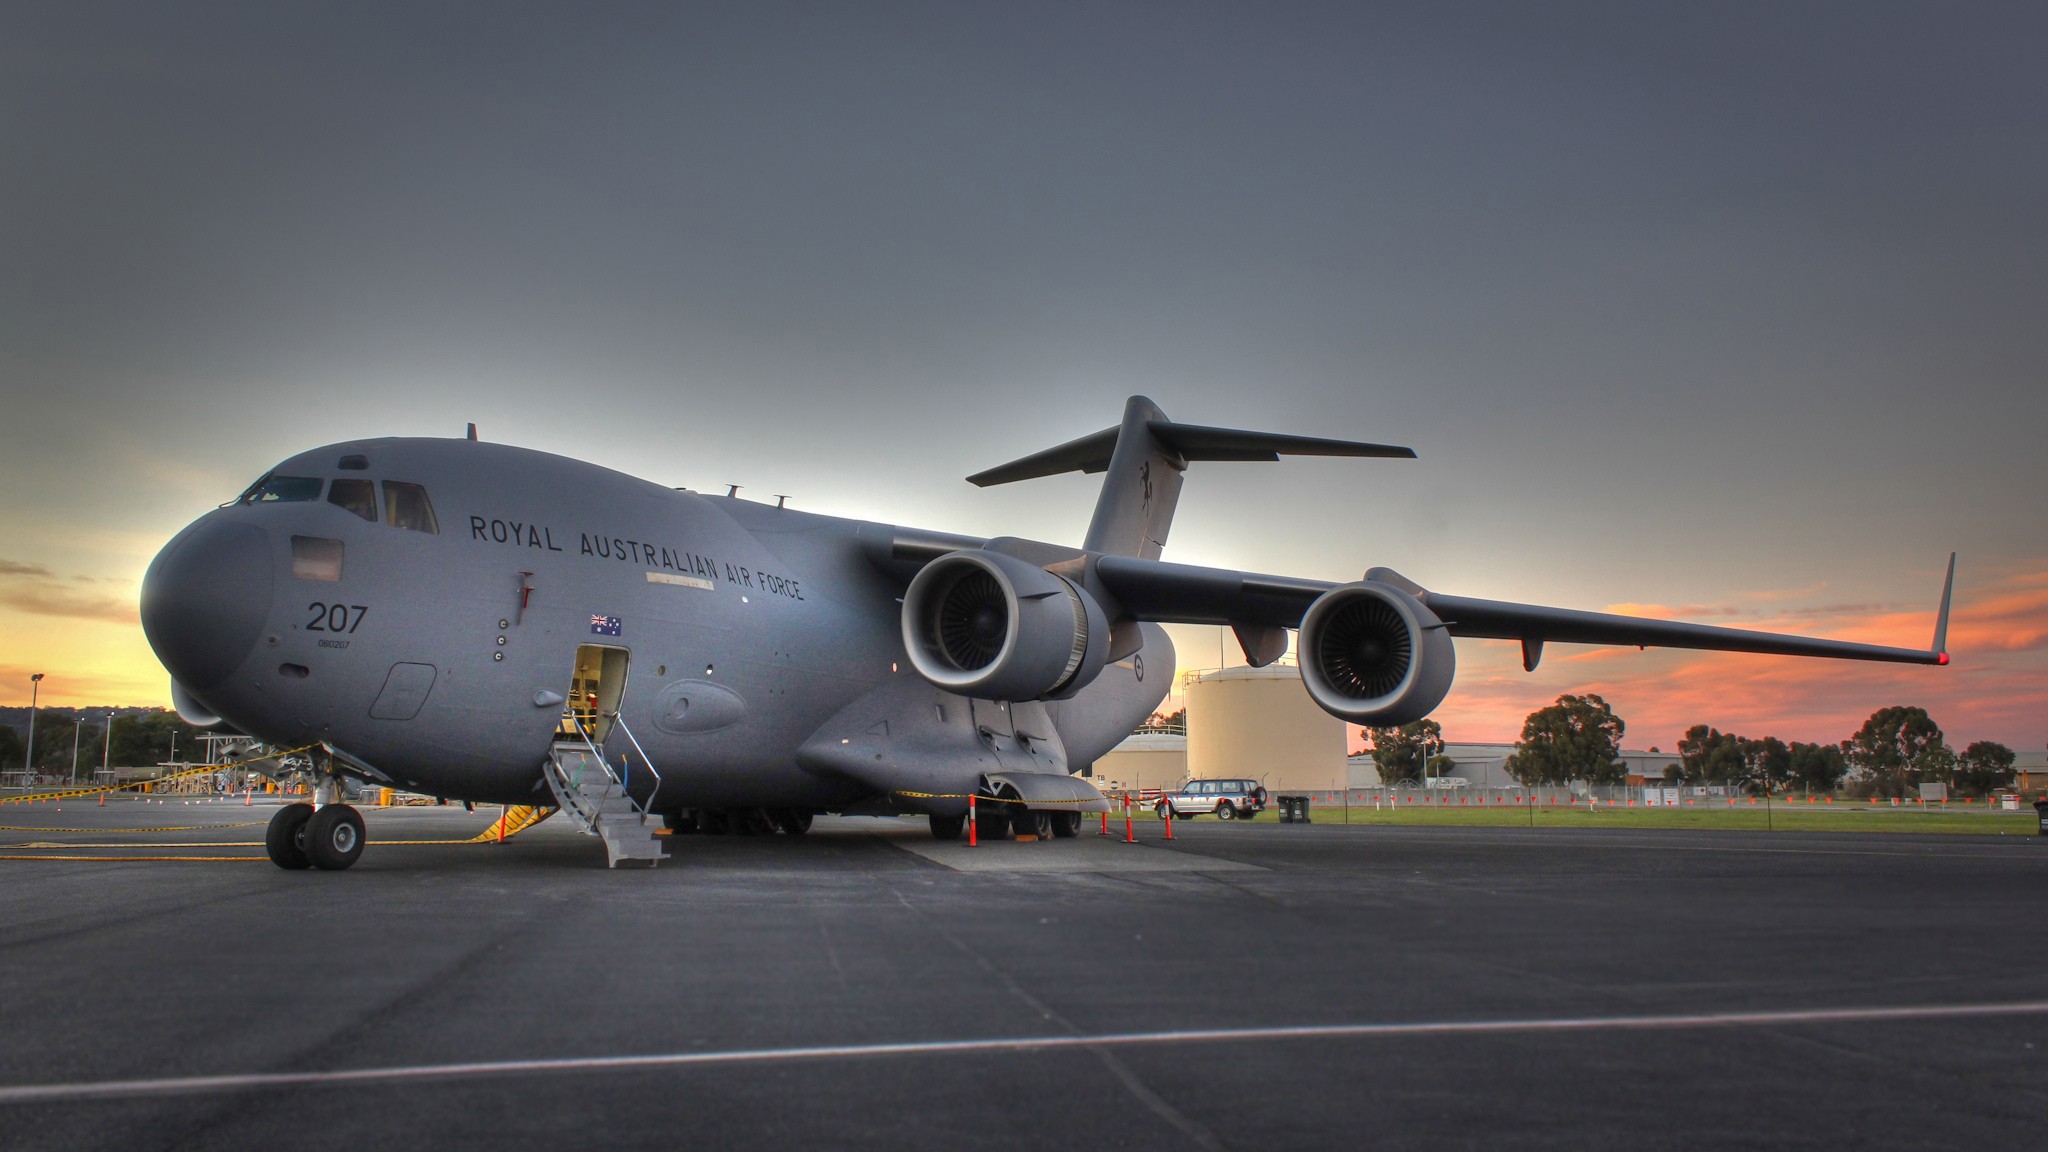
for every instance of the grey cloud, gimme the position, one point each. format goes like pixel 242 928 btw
pixel 36 590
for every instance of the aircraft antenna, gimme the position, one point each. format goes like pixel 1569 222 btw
pixel 732 491
pixel 472 430
pixel 781 501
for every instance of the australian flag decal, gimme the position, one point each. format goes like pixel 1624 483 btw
pixel 604 625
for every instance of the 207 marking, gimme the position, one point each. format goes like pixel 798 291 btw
pixel 335 617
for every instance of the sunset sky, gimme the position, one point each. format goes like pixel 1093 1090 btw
pixel 1731 313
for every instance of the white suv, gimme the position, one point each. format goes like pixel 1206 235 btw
pixel 1227 799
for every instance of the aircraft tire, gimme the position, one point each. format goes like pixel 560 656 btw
pixel 282 839
pixel 992 825
pixel 712 822
pixel 334 837
pixel 1066 825
pixel 679 822
pixel 1028 823
pixel 791 821
pixel 948 827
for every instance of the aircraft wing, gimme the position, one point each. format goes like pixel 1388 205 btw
pixel 1186 594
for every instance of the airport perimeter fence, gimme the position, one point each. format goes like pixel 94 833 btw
pixel 1695 797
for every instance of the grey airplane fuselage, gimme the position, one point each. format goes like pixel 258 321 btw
pixel 440 659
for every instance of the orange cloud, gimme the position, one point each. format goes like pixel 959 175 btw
pixel 74 685
pixel 1996 687
pixel 1669 612
pixel 1768 594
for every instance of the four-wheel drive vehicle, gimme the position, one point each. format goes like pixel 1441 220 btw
pixel 1228 799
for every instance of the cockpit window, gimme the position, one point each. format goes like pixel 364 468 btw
pixel 406 506
pixel 275 489
pixel 358 496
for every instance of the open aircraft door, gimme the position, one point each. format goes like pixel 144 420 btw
pixel 596 688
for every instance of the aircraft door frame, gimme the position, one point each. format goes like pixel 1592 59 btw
pixel 597 684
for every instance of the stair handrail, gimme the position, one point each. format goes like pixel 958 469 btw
pixel 597 754
pixel 564 789
pixel 587 813
pixel 635 741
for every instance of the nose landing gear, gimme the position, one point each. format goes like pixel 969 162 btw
pixel 334 837
pixel 301 836
pixel 285 839
pixel 328 837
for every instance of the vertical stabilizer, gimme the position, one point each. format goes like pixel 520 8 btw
pixel 1140 488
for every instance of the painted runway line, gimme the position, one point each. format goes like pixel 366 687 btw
pixel 198 1085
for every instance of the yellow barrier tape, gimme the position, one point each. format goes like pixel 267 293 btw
pixel 510 823
pixel 514 820
pixel 197 770
pixel 979 798
pixel 117 831
pixel 150 844
pixel 217 844
pixel 136 859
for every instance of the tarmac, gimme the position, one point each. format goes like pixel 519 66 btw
pixel 1247 986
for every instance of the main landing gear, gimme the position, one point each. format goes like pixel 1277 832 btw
pixel 1000 826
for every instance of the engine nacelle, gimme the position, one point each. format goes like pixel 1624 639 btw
pixel 992 626
pixel 1375 655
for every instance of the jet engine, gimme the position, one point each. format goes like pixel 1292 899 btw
pixel 1373 654
pixel 992 626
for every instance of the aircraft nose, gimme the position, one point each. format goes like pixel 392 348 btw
pixel 205 599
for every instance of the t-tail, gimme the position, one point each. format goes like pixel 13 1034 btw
pixel 1144 458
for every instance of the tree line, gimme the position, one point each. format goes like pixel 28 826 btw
pixel 138 740
pixel 1579 738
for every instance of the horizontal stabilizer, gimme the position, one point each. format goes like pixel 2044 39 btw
pixel 1145 457
pixel 1088 454
pixel 1195 442
pixel 1091 453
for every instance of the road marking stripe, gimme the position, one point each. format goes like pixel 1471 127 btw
pixel 194 1085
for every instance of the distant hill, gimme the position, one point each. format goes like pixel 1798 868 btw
pixel 17 718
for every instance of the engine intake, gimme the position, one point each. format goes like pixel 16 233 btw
pixel 989 625
pixel 1373 654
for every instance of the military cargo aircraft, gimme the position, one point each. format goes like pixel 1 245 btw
pixel 489 623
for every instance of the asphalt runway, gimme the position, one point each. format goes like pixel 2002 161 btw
pixel 1249 986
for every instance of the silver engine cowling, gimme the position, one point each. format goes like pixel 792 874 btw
pixel 1375 655
pixel 992 626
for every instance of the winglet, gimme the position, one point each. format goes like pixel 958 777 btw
pixel 1941 619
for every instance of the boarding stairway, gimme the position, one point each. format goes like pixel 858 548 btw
pixel 594 796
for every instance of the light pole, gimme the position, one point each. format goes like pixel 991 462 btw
pixel 35 686
pixel 77 728
pixel 107 751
